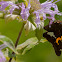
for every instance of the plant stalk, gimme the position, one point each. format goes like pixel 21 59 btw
pixel 17 39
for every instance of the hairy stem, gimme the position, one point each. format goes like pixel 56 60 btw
pixel 17 40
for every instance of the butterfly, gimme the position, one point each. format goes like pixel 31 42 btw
pixel 56 38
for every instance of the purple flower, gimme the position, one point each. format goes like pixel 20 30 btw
pixel 46 9
pixel 2 58
pixel 37 18
pixel 25 11
pixel 4 4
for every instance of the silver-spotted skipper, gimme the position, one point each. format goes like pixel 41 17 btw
pixel 56 38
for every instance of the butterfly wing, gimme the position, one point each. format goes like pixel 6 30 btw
pixel 52 40
pixel 56 28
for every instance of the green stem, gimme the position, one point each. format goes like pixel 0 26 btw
pixel 17 40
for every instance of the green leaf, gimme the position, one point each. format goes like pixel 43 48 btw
pixel 8 7
pixel 43 40
pixel 33 42
pixel 28 48
pixel 8 42
pixel 20 1
pixel 31 19
pixel 30 41
pixel 39 33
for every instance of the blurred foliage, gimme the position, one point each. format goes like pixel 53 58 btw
pixel 43 52
pixel 39 33
pixel 8 42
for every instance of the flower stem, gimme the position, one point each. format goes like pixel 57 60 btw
pixel 17 40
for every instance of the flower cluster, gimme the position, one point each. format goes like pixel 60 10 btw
pixel 9 4
pixel 25 11
pixel 45 8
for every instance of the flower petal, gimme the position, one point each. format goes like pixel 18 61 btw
pixel 2 58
